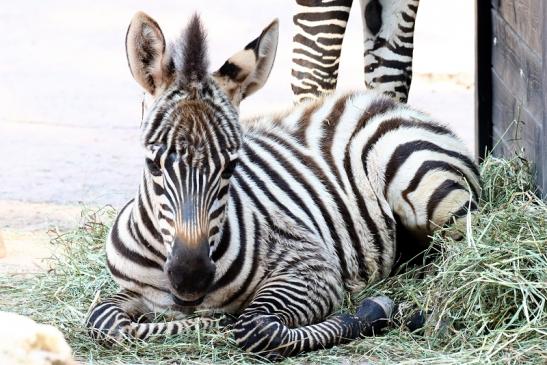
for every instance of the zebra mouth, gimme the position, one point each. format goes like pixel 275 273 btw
pixel 187 303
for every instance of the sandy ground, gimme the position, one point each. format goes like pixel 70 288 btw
pixel 70 109
pixel 26 230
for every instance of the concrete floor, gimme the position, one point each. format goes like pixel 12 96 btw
pixel 70 109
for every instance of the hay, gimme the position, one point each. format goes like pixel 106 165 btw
pixel 486 296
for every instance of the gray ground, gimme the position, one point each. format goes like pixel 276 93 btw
pixel 70 109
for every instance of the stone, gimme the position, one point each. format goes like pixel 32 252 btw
pixel 25 342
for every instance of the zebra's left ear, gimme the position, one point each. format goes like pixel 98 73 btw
pixel 247 70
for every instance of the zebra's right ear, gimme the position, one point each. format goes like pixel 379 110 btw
pixel 247 70
pixel 145 49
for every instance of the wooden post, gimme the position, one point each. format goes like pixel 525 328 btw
pixel 483 78
pixel 514 63
pixel 542 163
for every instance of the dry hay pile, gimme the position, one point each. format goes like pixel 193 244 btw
pixel 486 296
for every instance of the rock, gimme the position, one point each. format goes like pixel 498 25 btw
pixel 25 342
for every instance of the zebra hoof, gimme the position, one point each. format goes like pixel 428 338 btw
pixel 375 314
pixel 408 316
pixel 416 321
pixel 227 321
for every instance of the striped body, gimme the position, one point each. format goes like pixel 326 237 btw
pixel 302 201
pixel 388 30
pixel 272 219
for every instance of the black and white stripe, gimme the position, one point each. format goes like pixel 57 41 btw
pixel 388 27
pixel 273 219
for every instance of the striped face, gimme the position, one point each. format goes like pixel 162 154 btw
pixel 190 157
pixel 192 136
pixel 190 193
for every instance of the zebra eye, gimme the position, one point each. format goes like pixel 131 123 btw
pixel 173 157
pixel 153 167
pixel 229 169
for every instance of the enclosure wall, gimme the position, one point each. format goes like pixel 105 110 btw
pixel 518 79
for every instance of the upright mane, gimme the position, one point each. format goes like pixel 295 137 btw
pixel 191 60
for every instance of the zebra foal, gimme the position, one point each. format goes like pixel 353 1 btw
pixel 271 219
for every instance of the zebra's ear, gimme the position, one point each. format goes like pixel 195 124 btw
pixel 145 49
pixel 247 70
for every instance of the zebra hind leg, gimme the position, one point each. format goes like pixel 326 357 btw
pixel 388 28
pixel 319 31
pixel 278 322
pixel 120 316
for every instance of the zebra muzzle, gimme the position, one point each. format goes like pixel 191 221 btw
pixel 190 271
pixel 187 303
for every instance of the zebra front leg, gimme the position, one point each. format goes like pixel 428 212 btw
pixel 288 317
pixel 388 27
pixel 119 317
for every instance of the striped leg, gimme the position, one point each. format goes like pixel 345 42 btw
pixel 115 319
pixel 388 27
pixel 278 322
pixel 320 27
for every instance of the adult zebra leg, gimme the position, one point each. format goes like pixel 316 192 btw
pixel 118 317
pixel 319 31
pixel 388 27
pixel 269 325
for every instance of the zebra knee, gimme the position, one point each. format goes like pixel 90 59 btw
pixel 267 336
pixel 263 335
pixel 108 323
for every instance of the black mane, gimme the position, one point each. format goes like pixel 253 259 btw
pixel 194 63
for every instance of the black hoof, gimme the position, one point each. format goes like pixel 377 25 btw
pixel 409 316
pixel 375 314
pixel 416 321
pixel 227 321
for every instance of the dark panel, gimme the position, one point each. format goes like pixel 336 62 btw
pixel 525 17
pixel 518 67
pixel 483 75
pixel 543 159
pixel 518 79
pixel 515 130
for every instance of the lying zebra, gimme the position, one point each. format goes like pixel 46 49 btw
pixel 271 219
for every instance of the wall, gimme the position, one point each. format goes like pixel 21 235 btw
pixel 519 80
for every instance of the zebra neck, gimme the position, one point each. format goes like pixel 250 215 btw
pixel 220 235
pixel 143 222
